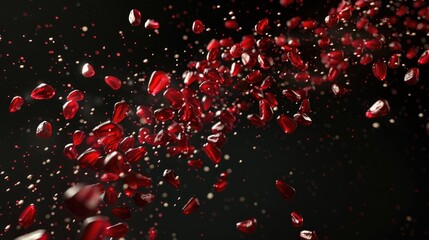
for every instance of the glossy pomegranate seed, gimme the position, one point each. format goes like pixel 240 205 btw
pixel 28 216
pixel 198 27
pixel 110 196
pixel 308 24
pixel 70 151
pixel 35 235
pixel 424 58
pixel 135 17
pixel 254 76
pixel 265 110
pixel 331 20
pixel 114 162
pixel 262 26
pixel 158 81
pixel 337 90
pixel 236 50
pixel 135 154
pixel 394 61
pixel 94 228
pixel 287 124
pixel 333 74
pixel 145 114
pixel 373 44
pixel 88 158
pixel 75 95
pixel 210 88
pixel 70 109
pixel 379 69
pixel 113 82
pixel 231 24
pixel 220 185
pixel 302 76
pixel 16 104
pixel 170 177
pixel 118 230
pixel 286 3
pixel 285 190
pixel 212 152
pixel 109 177
pixel 366 59
pixel 378 109
pixel 122 212
pixel 78 137
pixel 82 200
pixel 307 235
pixel 151 24
pixel 195 163
pixel 120 111
pixel 174 97
pixel 152 234
pixel 87 70
pixel 297 220
pixel 143 199
pixel 247 226
pixel 191 206
pixel 412 76
pixel 44 130
pixel 43 92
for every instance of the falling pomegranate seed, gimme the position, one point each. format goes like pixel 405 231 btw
pixel 158 81
pixel 170 177
pixel 88 158
pixel 122 212
pixel 424 58
pixel 286 191
pixel 220 185
pixel 82 200
pixel 75 95
pixel 40 234
pixel 143 199
pixel 373 44
pixel 43 92
pixel 16 104
pixel 113 82
pixel 366 59
pixel 262 26
pixel 94 228
pixel 87 70
pixel 120 111
pixel 307 235
pixel 379 69
pixel 152 234
pixel 287 124
pixel 247 226
pixel 412 76
pixel 195 163
pixel 110 196
pixel 198 27
pixel 135 17
pixel 151 24
pixel 44 130
pixel 297 220
pixel 191 206
pixel 70 109
pixel 231 24
pixel 378 109
pixel 212 152
pixel 118 230
pixel 331 20
pixel 174 97
pixel 394 61
pixel 135 154
pixel 70 151
pixel 28 216
pixel 286 3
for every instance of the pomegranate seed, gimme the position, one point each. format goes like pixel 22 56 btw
pixel 247 226
pixel 309 24
pixel 135 17
pixel 254 76
pixel 88 158
pixel 113 82
pixel 143 199
pixel 191 206
pixel 87 70
pixel 152 234
pixel 151 24
pixel 379 69
pixel 16 104
pixel 44 130
pixel 331 20
pixel 424 58
pixel 70 109
pixel 293 22
pixel 195 163
pixel 366 59
pixel 28 216
pixel 135 154
pixel 373 44
pixel 94 228
pixel 265 110
pixel 145 114
pixel 378 109
pixel 297 220
pixel 333 74
pixel 412 76
pixel 110 196
pixel 337 90
pixel 82 200
pixel 220 185
pixel 236 50
pixel 286 191
pixel 212 152
pixel 231 24
pixel 302 76
pixel 158 81
pixel 394 61
pixel 210 88
pixel 35 235
pixel 70 151
pixel 287 124
pixel 75 95
pixel 302 119
pixel 262 26
pixel 307 235
pixel 118 230
pixel 109 177
pixel 120 111
pixel 171 178
pixel 198 27
pixel 122 212
pixel 43 92
pixel 286 3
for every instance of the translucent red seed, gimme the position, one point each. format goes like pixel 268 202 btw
pixel 287 124
pixel 82 200
pixel 94 228
pixel 70 109
pixel 122 212
pixel 212 152
pixel 118 230
pixel 88 70
pixel 143 199
pixel 43 92
pixel 247 226
pixel 378 109
pixel 70 151
pixel 152 234
pixel 191 206
pixel 297 220
pixel 158 81
pixel 394 61
pixel 113 82
pixel 424 58
pixel 379 69
pixel 151 24
pixel 262 26
pixel 171 177
pixel 135 154
pixel 44 130
pixel 135 17
pixel 307 235
pixel 285 190
pixel 27 216
pixel 198 27
pixel 412 76
pixel 120 111
pixel 75 95
pixel 16 104
pixel 195 163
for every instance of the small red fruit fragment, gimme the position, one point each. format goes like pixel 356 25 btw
pixel 70 151
pixel 286 3
pixel 191 206
pixel 297 220
pixel 170 177
pixel 70 109
pixel 110 196
pixel 75 95
pixel 43 92
pixel 262 26
pixel 151 24
pixel 143 199
pixel 247 226
pixel 135 17
pixel 40 234
pixel 16 104
pixel 28 216
pixel 198 27
pixel 82 200
pixel 87 70
pixel 113 82
pixel 378 109
pixel 118 230
pixel 394 61
pixel 195 163
pixel 152 234
pixel 135 154
pixel 307 235
pixel 212 152
pixel 220 185
pixel 287 124
pixel 120 111
pixel 93 228
pixel 44 130
pixel 122 212
pixel 285 190
pixel 412 76
pixel 379 69
pixel 158 81
pixel 424 58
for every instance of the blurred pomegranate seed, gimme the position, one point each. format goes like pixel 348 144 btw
pixel 424 58
pixel 412 76
pixel 170 177
pixel 231 24
pixel 87 70
pixel 378 109
pixel 220 185
pixel 143 199
pixel 394 61
pixel 379 69
pixel 94 228
pixel 122 212
pixel 366 59
pixel 110 196
pixel 152 234
pixel 286 191
pixel 247 226
pixel 70 151
pixel 191 206
pixel 151 24
pixel 88 158
pixel 118 230
pixel 40 234
pixel 43 92
pixel 75 95
pixel 331 20
pixel 158 81
pixel 113 82
pixel 195 163
pixel 262 26
pixel 373 44
pixel 297 220
pixel 307 235
pixel 135 154
pixel 287 124
pixel 70 109
pixel 16 104
pixel 135 17
pixel 44 130
pixel 82 200
pixel 28 216
pixel 286 3
pixel 120 111
pixel 198 27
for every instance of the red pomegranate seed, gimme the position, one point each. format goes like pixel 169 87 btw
pixel 412 76
pixel 114 162
pixel 236 50
pixel 337 90
pixel 145 114
pixel 255 120
pixel 378 109
pixel 247 226
pixel 366 59
pixel 110 196
pixel 118 230
pixel 210 88
pixel 87 70
pixel 379 69
pixel 70 151
pixel 287 124
pixel 307 235
pixel 373 44
pixel 143 199
pixel 28 216
pixel 82 200
pixel 254 76
pixel 135 17
pixel 265 110
pixel 94 228
pixel 70 109
pixel 122 212
pixel 262 26
pixel 113 82
pixel 286 3
pixel 152 234
pixel 309 24
pixel 394 61
pixel 195 163
pixel 43 92
pixel 109 177
pixel 331 20
pixel 16 104
pixel 44 130
pixel 170 177
pixel 158 81
pixel 40 234
pixel 424 58
pixel 286 191
pixel 212 152
pixel 191 206
pixel 198 27
pixel 135 154
pixel 302 119
pixel 75 95
pixel 302 76
pixel 220 185
pixel 297 220
pixel 88 158
pixel 333 74
pixel 151 24
pixel 78 137
pixel 174 97
pixel 120 111
pixel 231 24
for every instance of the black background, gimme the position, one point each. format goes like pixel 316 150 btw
pixel 353 181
